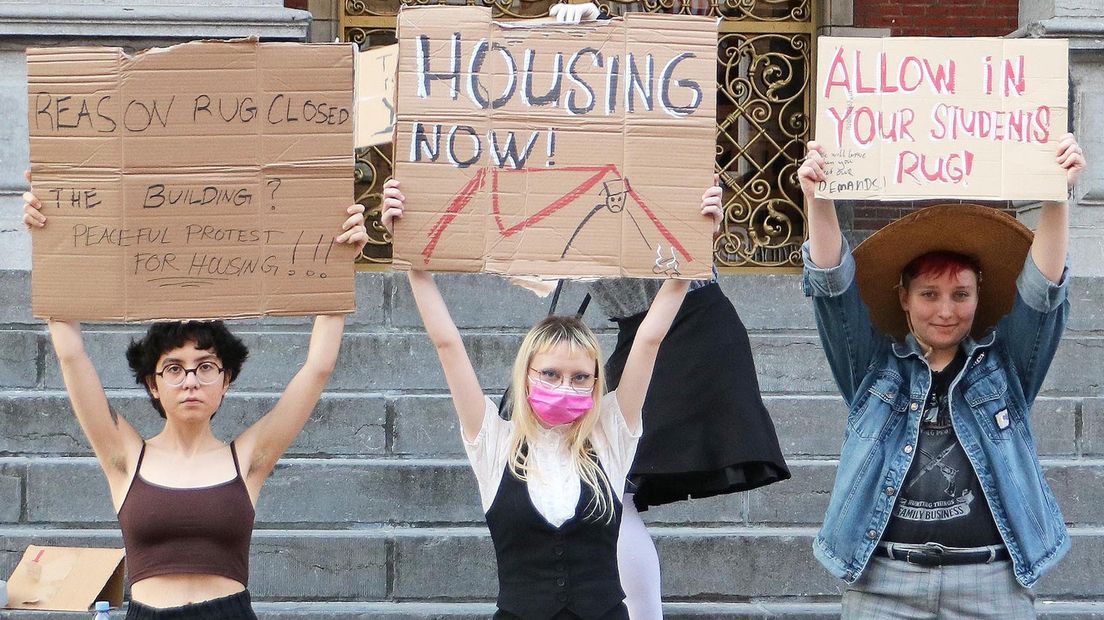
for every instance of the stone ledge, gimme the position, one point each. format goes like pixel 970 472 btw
pixel 343 493
pixel 753 610
pixel 52 23
pixel 367 423
pixel 1084 33
pixel 767 304
pixel 702 565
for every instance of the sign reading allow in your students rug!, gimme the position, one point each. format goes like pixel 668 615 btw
pixel 204 180
pixel 913 118
pixel 554 150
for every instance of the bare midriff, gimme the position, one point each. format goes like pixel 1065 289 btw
pixel 182 589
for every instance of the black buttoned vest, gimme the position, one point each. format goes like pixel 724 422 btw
pixel 543 570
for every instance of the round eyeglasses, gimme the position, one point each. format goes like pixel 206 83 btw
pixel 205 373
pixel 580 381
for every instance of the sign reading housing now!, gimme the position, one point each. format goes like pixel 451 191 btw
pixel 904 118
pixel 555 150
pixel 204 180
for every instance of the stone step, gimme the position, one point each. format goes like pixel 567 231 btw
pixel 40 422
pixel 720 564
pixel 759 610
pixel 766 302
pixel 386 360
pixel 340 493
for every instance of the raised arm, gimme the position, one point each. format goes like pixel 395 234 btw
pixel 847 335
pixel 263 443
pixel 1039 316
pixel 825 238
pixel 266 440
pixel 467 395
pixel 638 367
pixel 1048 250
pixel 114 441
pixel 641 361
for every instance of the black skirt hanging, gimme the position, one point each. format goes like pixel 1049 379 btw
pixel 706 430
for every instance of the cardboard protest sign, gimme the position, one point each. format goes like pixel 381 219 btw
pixel 375 105
pixel 906 118
pixel 552 150
pixel 203 180
pixel 66 578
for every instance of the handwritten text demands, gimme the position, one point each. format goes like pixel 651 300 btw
pixel 936 116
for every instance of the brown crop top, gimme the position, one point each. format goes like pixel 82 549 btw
pixel 204 530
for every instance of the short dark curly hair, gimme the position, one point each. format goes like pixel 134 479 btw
pixel 161 337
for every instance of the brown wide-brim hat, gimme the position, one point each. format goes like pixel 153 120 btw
pixel 996 240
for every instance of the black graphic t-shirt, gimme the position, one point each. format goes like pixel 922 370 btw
pixel 941 499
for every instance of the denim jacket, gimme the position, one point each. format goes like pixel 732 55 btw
pixel 885 383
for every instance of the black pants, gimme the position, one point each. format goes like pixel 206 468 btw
pixel 617 613
pixel 233 607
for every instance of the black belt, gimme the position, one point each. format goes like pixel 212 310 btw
pixel 934 554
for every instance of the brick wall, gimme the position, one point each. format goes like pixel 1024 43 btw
pixel 939 18
pixel 932 18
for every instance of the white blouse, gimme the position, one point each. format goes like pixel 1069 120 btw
pixel 553 483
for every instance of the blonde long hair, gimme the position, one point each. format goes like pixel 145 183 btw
pixel 545 336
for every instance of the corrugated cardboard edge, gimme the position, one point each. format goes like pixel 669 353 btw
pixel 96 574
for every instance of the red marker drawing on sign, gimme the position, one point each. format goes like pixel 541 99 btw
pixel 463 197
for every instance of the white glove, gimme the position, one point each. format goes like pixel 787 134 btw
pixel 574 13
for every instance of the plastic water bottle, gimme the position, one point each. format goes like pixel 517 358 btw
pixel 102 609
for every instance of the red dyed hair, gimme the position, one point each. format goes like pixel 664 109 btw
pixel 938 264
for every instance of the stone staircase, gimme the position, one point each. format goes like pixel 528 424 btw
pixel 374 514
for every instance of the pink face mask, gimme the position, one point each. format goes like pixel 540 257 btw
pixel 556 406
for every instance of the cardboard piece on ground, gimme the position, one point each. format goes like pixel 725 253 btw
pixel 375 104
pixel 66 578
pixel 913 118
pixel 557 151
pixel 204 180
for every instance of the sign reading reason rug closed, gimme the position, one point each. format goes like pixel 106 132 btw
pixel 203 180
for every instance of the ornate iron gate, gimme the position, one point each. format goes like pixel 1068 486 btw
pixel 765 52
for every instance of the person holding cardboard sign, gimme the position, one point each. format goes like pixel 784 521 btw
pixel 185 499
pixel 939 330
pixel 718 441
pixel 552 476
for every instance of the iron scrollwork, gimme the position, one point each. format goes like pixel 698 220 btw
pixel 729 10
pixel 510 9
pixel 762 125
